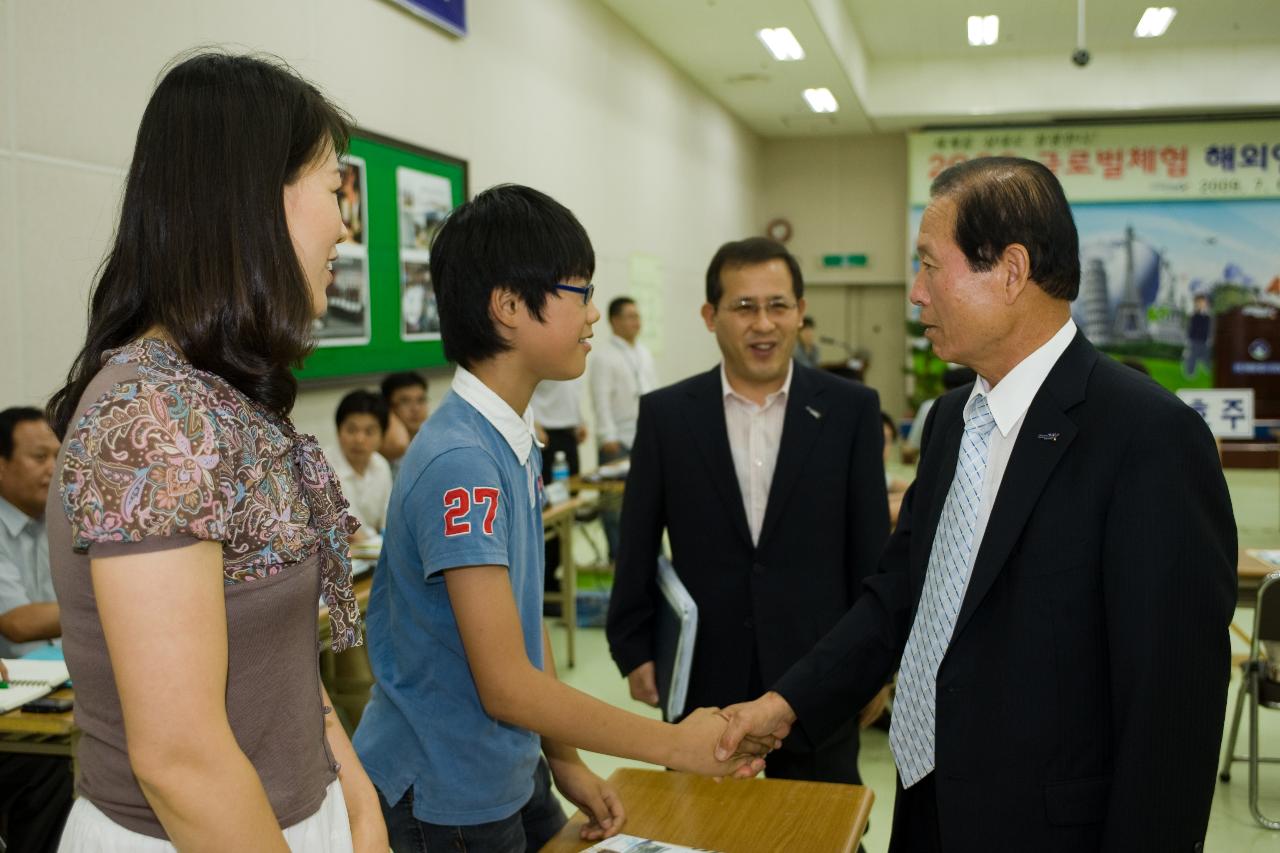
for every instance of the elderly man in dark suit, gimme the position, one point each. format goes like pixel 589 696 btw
pixel 768 478
pixel 1057 592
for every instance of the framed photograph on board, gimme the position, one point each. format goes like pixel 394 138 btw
pixel 346 322
pixel 382 313
pixel 425 199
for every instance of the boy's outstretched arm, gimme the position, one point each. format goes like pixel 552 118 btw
pixel 597 799
pixel 516 692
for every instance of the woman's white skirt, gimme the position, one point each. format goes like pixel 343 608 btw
pixel 88 830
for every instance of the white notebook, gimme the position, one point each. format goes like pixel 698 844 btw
pixel 634 844
pixel 29 680
pixel 675 632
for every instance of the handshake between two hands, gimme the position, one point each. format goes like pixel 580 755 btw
pixel 722 742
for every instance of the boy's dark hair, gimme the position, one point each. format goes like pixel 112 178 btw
pixel 807 322
pixel 887 420
pixel 393 382
pixel 362 402
pixel 746 253
pixel 618 303
pixel 1000 201
pixel 512 237
pixel 202 248
pixel 9 420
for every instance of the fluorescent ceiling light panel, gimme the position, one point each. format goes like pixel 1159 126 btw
pixel 821 100
pixel 984 30
pixel 1155 21
pixel 782 44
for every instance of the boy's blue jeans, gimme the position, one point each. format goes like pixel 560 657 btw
pixel 526 831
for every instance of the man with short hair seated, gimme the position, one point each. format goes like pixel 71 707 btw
pixel 28 609
pixel 35 790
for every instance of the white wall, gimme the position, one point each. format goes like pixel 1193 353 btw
pixel 841 195
pixel 558 94
pixel 847 195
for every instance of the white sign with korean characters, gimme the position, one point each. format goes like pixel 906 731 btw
pixel 1227 411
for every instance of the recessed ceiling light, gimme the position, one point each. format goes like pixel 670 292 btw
pixel 984 30
pixel 821 100
pixel 782 44
pixel 1154 21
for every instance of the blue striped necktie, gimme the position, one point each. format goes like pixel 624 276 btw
pixel 911 733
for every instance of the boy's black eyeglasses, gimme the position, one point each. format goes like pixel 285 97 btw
pixel 587 292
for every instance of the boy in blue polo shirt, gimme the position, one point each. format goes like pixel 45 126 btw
pixel 466 703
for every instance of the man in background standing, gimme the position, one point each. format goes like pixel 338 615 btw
pixel 622 369
pixel 557 418
pixel 768 479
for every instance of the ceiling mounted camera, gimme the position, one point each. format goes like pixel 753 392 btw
pixel 1080 56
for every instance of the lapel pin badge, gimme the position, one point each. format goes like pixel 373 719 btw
pixel 811 410
pixel 1048 436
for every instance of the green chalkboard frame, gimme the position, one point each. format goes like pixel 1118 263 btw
pixel 386 351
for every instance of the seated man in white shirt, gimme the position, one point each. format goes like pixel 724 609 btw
pixel 35 790
pixel 29 615
pixel 363 472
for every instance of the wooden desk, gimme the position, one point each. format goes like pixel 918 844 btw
pixel 1250 572
pixel 347 676
pixel 41 734
pixel 736 816
pixel 607 488
pixel 557 523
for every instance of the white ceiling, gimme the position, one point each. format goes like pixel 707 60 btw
pixel 900 64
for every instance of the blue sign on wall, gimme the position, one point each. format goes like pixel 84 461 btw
pixel 450 14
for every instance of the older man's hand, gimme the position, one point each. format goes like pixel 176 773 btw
pixel 768 718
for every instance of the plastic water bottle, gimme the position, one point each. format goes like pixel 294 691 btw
pixel 560 467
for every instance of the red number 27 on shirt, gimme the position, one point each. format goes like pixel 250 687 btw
pixel 457 504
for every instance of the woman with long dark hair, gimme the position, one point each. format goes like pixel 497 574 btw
pixel 193 529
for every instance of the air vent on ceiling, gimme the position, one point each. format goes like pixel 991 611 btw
pixel 749 77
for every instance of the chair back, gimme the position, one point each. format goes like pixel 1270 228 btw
pixel 1266 626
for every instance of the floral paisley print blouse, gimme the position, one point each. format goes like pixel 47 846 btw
pixel 165 455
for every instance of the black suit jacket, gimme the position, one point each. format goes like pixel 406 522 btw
pixel 1081 699
pixel 824 527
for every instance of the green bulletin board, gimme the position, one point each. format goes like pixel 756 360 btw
pixel 370 326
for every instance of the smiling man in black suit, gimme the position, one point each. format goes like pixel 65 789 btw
pixel 1057 592
pixel 768 478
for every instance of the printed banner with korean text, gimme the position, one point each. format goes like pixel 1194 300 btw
pixel 1179 241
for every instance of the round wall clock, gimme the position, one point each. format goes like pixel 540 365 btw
pixel 778 229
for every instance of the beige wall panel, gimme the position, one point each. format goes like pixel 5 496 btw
pixel 84 72
pixel 841 195
pixel 13 360
pixel 828 306
pixel 561 96
pixel 65 219
pixel 7 87
pixel 876 315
